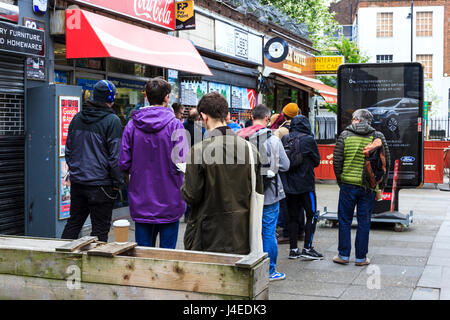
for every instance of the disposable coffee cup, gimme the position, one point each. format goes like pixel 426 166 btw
pixel 121 228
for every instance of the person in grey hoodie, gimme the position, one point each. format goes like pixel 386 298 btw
pixel 274 160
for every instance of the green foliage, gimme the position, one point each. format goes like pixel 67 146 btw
pixel 350 51
pixel 332 107
pixel 314 13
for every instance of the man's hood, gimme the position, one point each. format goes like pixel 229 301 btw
pixel 360 128
pixel 301 124
pixel 260 132
pixel 94 112
pixel 249 131
pixel 153 119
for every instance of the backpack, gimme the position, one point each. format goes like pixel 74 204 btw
pixel 267 181
pixel 292 147
pixel 374 163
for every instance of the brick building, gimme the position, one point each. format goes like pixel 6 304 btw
pixel 383 31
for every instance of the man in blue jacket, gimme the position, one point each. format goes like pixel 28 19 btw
pixel 299 185
pixel 92 151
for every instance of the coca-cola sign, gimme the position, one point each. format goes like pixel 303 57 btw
pixel 157 12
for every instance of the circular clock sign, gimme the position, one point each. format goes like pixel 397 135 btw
pixel 276 50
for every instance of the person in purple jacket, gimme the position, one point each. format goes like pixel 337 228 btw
pixel 152 143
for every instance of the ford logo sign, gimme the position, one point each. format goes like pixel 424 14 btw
pixel 408 159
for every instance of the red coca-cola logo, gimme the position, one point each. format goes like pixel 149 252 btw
pixel 156 10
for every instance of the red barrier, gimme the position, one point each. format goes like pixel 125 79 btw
pixel 433 162
pixel 438 144
pixel 325 170
pixel 434 165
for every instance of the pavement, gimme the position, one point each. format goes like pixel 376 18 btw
pixel 410 265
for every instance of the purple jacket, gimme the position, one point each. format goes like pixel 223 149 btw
pixel 146 153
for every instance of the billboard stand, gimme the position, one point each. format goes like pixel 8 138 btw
pixel 394 94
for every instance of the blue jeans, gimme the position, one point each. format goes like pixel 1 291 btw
pixel 349 197
pixel 269 224
pixel 146 233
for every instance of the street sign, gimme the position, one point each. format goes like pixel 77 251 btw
pixel 185 15
pixel 394 94
pixel 328 65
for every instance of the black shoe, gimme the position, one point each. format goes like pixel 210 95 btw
pixel 311 254
pixel 294 254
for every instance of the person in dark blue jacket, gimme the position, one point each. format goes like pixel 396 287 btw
pixel 299 185
pixel 92 152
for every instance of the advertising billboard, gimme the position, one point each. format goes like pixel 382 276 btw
pixel 394 93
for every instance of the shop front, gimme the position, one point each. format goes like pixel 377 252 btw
pixel 90 48
pixel 236 83
pixel 18 44
pixel 289 76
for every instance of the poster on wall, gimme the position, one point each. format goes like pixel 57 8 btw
pixel 393 93
pixel 223 89
pixel 192 92
pixel 243 98
pixel 68 108
pixel 238 43
pixel 64 190
pixel 175 93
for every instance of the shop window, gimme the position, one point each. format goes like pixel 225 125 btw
pixel 95 64
pixel 61 77
pixel 134 69
pixel 60 55
pixel 384 24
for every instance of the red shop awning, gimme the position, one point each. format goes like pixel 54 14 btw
pixel 327 92
pixel 90 35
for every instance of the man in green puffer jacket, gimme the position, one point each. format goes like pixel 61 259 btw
pixel 348 163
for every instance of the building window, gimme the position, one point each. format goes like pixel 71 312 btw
pixel 384 24
pixel 424 24
pixel 427 62
pixel 384 58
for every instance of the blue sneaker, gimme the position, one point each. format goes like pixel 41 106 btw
pixel 277 276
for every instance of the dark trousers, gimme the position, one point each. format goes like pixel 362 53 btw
pixel 351 196
pixel 94 201
pixel 283 219
pixel 295 204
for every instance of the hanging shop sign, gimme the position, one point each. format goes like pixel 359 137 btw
pixel 22 40
pixel 278 54
pixel 157 12
pixel 394 94
pixel 9 12
pixel 328 65
pixel 243 98
pixel 238 43
pixel 68 108
pixel 185 15
pixel 35 66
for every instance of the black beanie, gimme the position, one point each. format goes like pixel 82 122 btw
pixel 101 91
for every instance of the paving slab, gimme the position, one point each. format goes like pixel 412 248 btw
pixel 388 293
pixel 307 288
pixel 399 260
pixel 390 275
pixel 445 294
pixel 425 294
pixel 431 277
pixel 287 296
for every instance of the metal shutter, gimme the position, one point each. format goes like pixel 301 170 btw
pixel 12 146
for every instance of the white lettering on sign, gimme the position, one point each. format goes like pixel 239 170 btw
pixel 430 167
pixel 157 10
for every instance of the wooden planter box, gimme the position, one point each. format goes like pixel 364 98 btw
pixel 36 268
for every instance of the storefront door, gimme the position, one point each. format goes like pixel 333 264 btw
pixel 12 141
